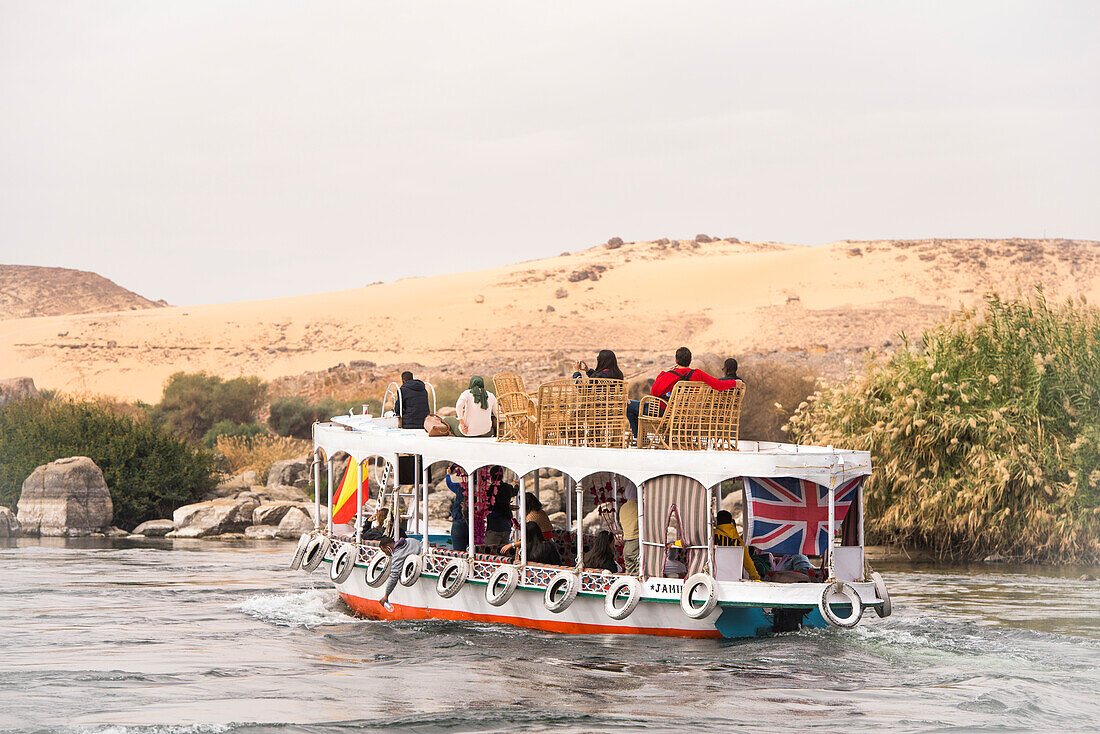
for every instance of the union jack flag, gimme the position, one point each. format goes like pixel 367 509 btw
pixel 788 515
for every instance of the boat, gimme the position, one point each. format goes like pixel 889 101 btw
pixel 809 496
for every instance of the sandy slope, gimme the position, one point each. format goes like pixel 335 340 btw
pixel 646 300
pixel 29 290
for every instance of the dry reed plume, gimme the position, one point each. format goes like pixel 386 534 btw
pixel 986 437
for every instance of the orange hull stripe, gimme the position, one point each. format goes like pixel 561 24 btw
pixel 373 610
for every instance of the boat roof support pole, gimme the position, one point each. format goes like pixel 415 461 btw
pixel 580 522
pixel 358 501
pixel 567 487
pixel 641 531
pixel 523 525
pixel 471 490
pixel 710 527
pixel 316 490
pixel 832 515
pixel 427 545
pixel 329 521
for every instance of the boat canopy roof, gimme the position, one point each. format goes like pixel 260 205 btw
pixel 362 438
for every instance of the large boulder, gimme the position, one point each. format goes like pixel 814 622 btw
pixel 16 388
pixel 9 524
pixel 67 497
pixel 155 528
pixel 439 506
pixel 290 473
pixel 214 517
pixel 272 513
pixel 298 520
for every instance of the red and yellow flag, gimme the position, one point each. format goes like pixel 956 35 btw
pixel 343 506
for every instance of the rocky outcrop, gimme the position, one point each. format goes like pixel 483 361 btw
pixel 155 528
pixel 290 473
pixel 281 493
pixel 9 524
pixel 67 497
pixel 214 517
pixel 16 388
pixel 261 532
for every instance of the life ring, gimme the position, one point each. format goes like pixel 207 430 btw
pixel 566 583
pixel 378 569
pixel 343 563
pixel 452 577
pixel 845 590
pixel 410 570
pixel 496 594
pixel 315 552
pixel 300 551
pixel 687 602
pixel 633 589
pixel 886 608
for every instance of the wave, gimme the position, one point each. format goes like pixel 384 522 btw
pixel 310 608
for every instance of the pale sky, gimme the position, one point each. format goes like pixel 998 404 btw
pixel 224 151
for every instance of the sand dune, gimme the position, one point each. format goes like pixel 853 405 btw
pixel 643 299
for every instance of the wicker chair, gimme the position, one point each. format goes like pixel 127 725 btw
pixel 506 382
pixel 557 404
pixel 590 412
pixel 601 413
pixel 517 417
pixel 697 418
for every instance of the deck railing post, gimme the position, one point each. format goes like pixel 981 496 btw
pixel 523 522
pixel 329 522
pixel 396 512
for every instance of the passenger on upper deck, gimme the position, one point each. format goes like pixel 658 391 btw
pixel 607 367
pixel 476 408
pixel 662 386
pixel 413 405
pixel 601 555
pixel 537 515
pixel 730 368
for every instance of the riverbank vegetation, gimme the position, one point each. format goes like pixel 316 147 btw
pixel 150 471
pixel 985 434
pixel 238 454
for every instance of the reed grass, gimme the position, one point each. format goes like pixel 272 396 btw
pixel 985 436
pixel 258 453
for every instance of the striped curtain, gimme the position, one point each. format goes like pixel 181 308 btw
pixel 689 498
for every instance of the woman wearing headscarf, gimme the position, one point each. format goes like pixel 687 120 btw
pixel 476 408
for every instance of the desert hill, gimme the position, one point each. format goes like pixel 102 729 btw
pixel 28 291
pixel 642 299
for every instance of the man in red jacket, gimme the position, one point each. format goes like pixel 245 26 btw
pixel 662 386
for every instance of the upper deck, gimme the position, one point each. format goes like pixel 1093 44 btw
pixel 363 437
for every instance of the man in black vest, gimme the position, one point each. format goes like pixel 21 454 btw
pixel 413 405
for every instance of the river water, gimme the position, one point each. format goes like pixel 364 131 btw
pixel 162 636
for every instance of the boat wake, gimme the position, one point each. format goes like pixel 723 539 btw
pixel 310 608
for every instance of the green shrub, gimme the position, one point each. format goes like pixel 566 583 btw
pixel 230 428
pixel 193 402
pixel 149 471
pixel 985 439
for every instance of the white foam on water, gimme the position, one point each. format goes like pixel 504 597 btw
pixel 306 609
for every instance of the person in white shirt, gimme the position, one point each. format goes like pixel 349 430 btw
pixel 476 408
